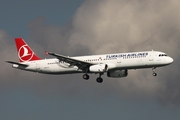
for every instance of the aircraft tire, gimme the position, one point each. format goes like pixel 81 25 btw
pixel 99 80
pixel 154 74
pixel 85 76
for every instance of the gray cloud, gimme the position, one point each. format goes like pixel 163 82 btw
pixel 121 26
pixel 103 26
pixel 54 38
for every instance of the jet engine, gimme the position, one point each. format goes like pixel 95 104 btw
pixel 98 68
pixel 117 73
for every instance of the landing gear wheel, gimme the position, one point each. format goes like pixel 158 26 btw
pixel 99 80
pixel 154 74
pixel 86 76
pixel 154 71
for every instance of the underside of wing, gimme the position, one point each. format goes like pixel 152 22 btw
pixel 74 62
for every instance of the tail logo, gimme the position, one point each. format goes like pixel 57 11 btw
pixel 24 53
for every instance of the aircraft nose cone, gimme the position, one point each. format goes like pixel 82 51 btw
pixel 170 60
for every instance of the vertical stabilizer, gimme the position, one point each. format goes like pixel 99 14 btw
pixel 25 53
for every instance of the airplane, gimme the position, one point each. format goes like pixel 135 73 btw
pixel 115 65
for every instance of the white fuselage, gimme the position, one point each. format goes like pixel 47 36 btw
pixel 117 61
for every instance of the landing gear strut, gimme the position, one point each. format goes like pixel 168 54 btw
pixel 86 76
pixel 99 79
pixel 154 71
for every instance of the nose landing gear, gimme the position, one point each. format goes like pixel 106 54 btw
pixel 154 74
pixel 154 71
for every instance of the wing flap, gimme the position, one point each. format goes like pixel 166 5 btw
pixel 79 63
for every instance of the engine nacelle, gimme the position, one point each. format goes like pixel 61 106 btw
pixel 98 68
pixel 117 73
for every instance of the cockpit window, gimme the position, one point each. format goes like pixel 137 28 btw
pixel 160 55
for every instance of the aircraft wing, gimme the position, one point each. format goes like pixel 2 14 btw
pixel 20 64
pixel 74 62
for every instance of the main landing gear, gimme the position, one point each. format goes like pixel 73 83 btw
pixel 86 76
pixel 99 79
pixel 154 71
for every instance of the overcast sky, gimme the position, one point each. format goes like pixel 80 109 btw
pixel 84 27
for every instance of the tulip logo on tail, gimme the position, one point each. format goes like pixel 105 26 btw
pixel 25 54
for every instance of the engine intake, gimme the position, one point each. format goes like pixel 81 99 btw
pixel 117 73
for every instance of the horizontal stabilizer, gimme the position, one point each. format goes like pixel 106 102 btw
pixel 23 65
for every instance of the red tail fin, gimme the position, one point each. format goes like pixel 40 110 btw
pixel 25 53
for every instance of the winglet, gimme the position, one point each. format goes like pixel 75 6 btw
pixel 46 52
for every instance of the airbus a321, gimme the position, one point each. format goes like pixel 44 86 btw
pixel 114 65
